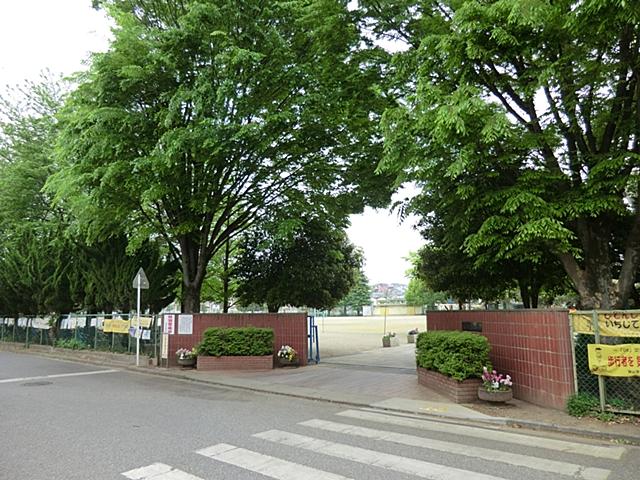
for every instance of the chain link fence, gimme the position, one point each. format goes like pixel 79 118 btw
pixel 82 332
pixel 618 394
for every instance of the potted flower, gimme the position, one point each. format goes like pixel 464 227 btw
pixel 287 356
pixel 186 357
pixel 411 335
pixel 389 339
pixel 495 387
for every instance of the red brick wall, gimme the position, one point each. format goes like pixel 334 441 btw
pixel 288 328
pixel 533 346
pixel 460 392
pixel 235 363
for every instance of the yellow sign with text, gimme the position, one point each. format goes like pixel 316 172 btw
pixel 145 322
pixel 610 324
pixel 614 360
pixel 116 326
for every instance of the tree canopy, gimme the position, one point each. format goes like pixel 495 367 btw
pixel 314 265
pixel 205 116
pixel 524 114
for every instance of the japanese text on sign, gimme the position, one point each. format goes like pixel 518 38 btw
pixel 610 324
pixel 169 326
pixel 614 360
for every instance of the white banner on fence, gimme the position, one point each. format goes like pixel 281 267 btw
pixel 185 324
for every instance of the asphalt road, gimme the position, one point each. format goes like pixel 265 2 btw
pixel 61 420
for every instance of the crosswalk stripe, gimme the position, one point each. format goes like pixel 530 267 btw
pixel 387 461
pixel 613 452
pixel 159 471
pixel 265 464
pixel 546 465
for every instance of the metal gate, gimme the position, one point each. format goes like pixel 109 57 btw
pixel 612 374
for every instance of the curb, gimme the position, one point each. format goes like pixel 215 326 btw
pixel 495 421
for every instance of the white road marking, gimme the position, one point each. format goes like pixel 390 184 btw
pixel 60 375
pixel 374 458
pixel 488 434
pixel 159 471
pixel 542 464
pixel 265 464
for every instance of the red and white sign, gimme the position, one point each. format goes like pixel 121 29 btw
pixel 169 324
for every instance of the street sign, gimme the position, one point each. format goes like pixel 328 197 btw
pixel 141 280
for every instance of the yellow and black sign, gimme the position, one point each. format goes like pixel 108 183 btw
pixel 115 326
pixel 614 360
pixel 610 324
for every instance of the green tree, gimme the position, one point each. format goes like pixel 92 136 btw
pixel 34 255
pixel 314 265
pixel 359 295
pixel 45 264
pixel 205 116
pixel 545 90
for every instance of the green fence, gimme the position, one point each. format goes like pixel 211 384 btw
pixel 615 394
pixel 78 332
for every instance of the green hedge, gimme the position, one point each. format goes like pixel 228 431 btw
pixel 236 342
pixel 459 355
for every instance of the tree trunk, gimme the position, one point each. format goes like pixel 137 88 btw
pixel 190 298
pixel 225 277
pixel 593 281
pixel 273 308
pixel 524 293
pixel 194 266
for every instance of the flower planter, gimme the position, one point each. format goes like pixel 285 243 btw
pixel 411 338
pixel 496 396
pixel 283 362
pixel 207 363
pixel 187 362
pixel 390 341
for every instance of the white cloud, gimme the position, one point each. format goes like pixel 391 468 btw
pixel 48 34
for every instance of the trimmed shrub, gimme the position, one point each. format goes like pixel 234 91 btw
pixel 459 355
pixel 236 342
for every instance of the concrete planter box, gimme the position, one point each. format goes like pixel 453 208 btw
pixel 206 363
pixel 459 392
pixel 494 397
pixel 390 342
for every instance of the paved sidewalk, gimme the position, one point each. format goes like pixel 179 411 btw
pixel 359 380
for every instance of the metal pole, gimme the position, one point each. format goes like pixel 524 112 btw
pixel 601 384
pixel 138 324
pixel 26 339
pixel 95 334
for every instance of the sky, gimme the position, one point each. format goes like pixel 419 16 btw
pixel 59 35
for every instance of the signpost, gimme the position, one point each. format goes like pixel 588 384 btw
pixel 139 282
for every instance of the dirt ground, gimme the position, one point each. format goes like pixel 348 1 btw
pixel 348 335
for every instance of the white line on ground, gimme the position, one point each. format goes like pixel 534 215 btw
pixel 542 464
pixel 411 466
pixel 159 471
pixel 488 434
pixel 265 464
pixel 60 375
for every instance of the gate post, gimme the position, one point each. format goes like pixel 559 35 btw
pixel 601 385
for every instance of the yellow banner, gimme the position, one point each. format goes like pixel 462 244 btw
pixel 145 322
pixel 614 360
pixel 611 324
pixel 116 326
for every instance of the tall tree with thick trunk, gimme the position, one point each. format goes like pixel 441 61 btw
pixel 205 115
pixel 556 85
